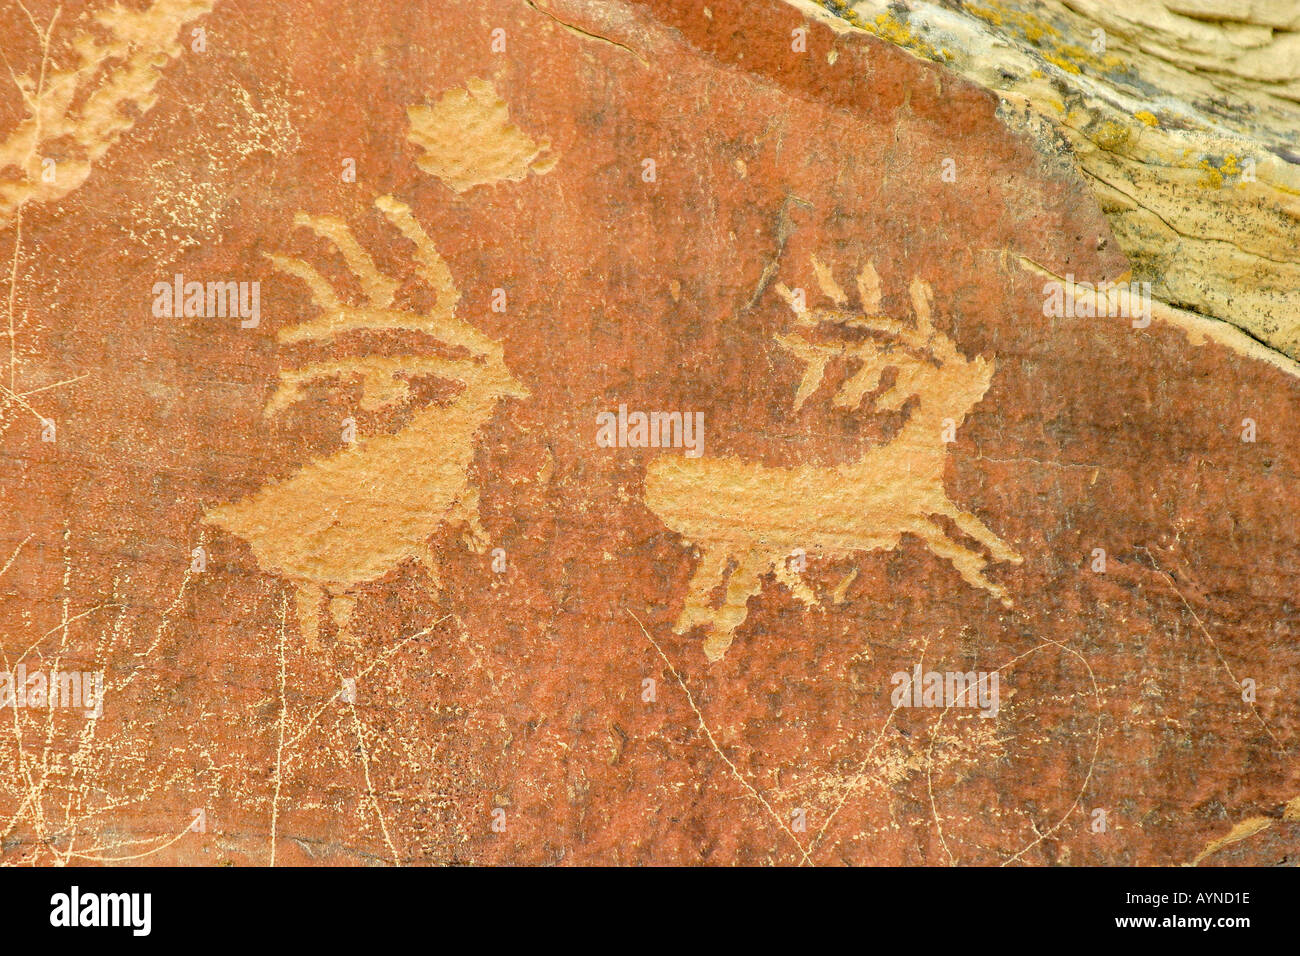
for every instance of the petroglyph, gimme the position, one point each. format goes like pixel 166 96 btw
pixel 73 116
pixel 81 111
pixel 469 140
pixel 748 518
pixel 349 518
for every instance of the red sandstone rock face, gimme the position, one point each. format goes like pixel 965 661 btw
pixel 365 586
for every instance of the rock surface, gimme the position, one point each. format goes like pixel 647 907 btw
pixel 1182 115
pixel 377 567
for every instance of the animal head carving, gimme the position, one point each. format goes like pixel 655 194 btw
pixel 386 379
pixel 927 362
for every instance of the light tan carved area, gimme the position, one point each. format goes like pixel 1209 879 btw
pixel 353 516
pixel 80 110
pixel 748 518
pixel 468 139
pixel 73 114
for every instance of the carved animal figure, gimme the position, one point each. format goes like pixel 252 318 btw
pixel 748 518
pixel 353 516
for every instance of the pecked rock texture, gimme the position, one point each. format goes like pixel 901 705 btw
pixel 322 445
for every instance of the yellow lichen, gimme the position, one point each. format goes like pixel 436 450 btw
pixel 1212 178
pixel 888 27
pixel 1110 135
pixel 1063 63
pixel 987 14
pixel 1033 28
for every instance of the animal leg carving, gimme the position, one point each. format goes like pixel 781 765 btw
pixel 743 584
pixel 708 575
pixel 969 564
pixel 978 530
pixel 341 608
pixel 307 600
pixel 465 510
pixel 793 580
